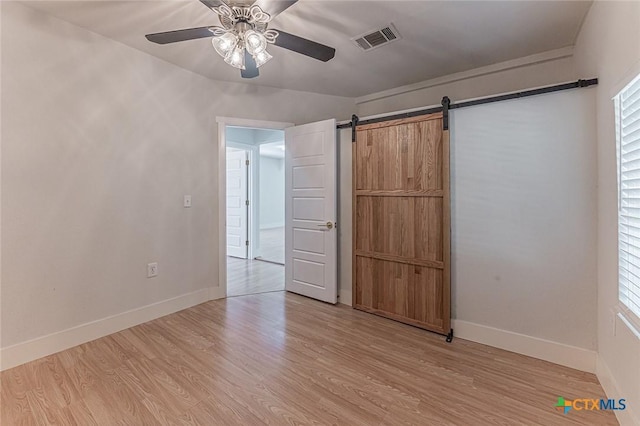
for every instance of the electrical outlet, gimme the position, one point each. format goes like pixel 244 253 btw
pixel 187 201
pixel 152 269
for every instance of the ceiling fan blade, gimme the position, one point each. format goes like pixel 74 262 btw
pixel 179 35
pixel 306 47
pixel 274 7
pixel 250 68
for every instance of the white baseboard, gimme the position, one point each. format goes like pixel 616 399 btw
pixel 627 416
pixel 558 353
pixel 24 352
pixel 345 297
pixel 217 293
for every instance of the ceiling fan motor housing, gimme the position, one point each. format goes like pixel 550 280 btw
pixel 254 16
pixel 243 26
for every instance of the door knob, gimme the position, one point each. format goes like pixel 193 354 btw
pixel 328 225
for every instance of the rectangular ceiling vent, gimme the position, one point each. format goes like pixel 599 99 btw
pixel 374 39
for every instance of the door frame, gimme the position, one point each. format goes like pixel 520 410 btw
pixel 222 123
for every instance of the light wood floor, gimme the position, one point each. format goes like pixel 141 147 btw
pixel 253 276
pixel 281 359
pixel 272 244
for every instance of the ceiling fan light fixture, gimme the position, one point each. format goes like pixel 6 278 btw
pixel 236 58
pixel 262 58
pixel 225 43
pixel 255 42
pixel 243 35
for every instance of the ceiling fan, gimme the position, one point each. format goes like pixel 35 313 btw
pixel 243 36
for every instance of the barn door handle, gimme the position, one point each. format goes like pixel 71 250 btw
pixel 328 225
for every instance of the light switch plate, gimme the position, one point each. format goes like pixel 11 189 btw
pixel 187 201
pixel 152 269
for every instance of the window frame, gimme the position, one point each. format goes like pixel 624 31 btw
pixel 627 314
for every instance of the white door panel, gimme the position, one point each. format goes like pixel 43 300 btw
pixel 308 209
pixel 309 240
pixel 308 177
pixel 312 272
pixel 237 196
pixel 310 194
pixel 313 146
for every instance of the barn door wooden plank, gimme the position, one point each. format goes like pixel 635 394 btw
pixel 401 217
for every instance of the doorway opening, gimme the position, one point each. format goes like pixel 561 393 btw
pixel 271 209
pixel 255 210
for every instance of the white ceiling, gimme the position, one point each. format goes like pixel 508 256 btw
pixel 270 142
pixel 439 37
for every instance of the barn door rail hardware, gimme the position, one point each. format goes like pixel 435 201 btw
pixel 449 338
pixel 446 103
pixel 359 122
pixel 526 93
pixel 354 124
pixel 480 101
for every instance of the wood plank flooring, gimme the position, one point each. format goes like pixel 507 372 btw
pixel 282 359
pixel 272 245
pixel 253 276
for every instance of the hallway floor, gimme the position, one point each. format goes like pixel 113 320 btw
pixel 253 276
pixel 272 245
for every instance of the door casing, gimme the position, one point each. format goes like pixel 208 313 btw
pixel 220 290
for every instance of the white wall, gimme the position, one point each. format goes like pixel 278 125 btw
pixel 99 144
pixel 271 192
pixel 345 215
pixel 524 218
pixel 609 47
pixel 0 187
pixel 486 81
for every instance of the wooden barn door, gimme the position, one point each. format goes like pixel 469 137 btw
pixel 401 208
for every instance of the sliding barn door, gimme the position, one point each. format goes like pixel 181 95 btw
pixel 402 221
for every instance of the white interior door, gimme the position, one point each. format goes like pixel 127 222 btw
pixel 310 211
pixel 237 197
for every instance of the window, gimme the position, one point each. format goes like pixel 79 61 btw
pixel 627 106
